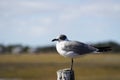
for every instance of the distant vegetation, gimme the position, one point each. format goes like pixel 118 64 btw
pixel 16 49
pixel 27 49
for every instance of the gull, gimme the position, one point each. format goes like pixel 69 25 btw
pixel 72 49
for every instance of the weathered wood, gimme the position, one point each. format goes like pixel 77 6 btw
pixel 65 74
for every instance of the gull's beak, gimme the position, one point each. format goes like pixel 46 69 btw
pixel 54 40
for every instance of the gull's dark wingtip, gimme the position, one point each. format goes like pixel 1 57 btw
pixel 104 49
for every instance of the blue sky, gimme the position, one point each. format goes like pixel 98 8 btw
pixel 37 22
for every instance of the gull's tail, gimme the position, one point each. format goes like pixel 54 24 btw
pixel 103 49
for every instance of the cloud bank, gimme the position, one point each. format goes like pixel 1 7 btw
pixel 33 18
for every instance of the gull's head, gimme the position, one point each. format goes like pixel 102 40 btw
pixel 61 37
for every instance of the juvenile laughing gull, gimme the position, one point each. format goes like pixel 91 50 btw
pixel 68 48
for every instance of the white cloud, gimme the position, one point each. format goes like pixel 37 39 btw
pixel 94 9
pixel 44 6
pixel 46 20
pixel 21 7
pixel 64 11
pixel 31 32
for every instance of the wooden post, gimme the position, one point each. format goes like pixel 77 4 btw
pixel 65 74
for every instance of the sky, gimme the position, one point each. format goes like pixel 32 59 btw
pixel 37 22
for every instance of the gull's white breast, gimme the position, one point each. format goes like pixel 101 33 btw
pixel 60 46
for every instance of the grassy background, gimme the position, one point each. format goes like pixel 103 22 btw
pixel 44 66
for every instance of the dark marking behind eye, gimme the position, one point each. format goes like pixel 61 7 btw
pixel 62 37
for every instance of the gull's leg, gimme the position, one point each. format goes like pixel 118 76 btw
pixel 71 64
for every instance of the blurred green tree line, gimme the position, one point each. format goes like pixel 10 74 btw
pixel 45 49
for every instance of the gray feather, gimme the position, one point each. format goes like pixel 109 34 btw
pixel 78 47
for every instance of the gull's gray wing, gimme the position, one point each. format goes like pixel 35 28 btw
pixel 78 47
